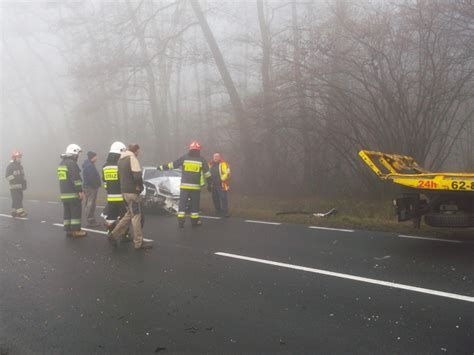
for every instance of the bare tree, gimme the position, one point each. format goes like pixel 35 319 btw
pixel 240 116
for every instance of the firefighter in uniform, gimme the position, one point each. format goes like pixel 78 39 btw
pixel 70 185
pixel 195 170
pixel 16 178
pixel 116 207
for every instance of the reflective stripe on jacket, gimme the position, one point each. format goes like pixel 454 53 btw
pixel 224 174
pixel 15 175
pixel 194 169
pixel 69 176
pixel 110 175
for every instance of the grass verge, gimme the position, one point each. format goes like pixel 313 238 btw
pixel 372 215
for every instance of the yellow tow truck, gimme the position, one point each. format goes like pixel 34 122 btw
pixel 443 199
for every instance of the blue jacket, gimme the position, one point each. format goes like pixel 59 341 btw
pixel 91 175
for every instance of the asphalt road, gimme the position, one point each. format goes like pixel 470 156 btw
pixel 231 286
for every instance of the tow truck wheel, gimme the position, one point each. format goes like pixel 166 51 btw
pixel 457 220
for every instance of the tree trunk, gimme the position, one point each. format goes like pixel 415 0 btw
pixel 239 113
pixel 150 77
pixel 271 156
pixel 301 101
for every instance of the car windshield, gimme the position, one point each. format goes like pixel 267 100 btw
pixel 153 173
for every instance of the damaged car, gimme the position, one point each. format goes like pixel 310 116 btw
pixel 161 189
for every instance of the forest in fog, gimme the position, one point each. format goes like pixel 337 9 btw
pixel 288 91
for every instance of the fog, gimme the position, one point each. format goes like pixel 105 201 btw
pixel 290 94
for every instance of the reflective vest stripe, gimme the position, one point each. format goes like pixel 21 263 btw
pixel 193 162
pixel 114 197
pixel 192 166
pixel 190 186
pixel 69 196
pixel 110 173
pixel 62 172
pixel 224 173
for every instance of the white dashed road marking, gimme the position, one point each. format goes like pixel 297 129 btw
pixel 262 222
pixel 426 238
pixel 352 277
pixel 210 217
pixel 8 216
pixel 332 229
pixel 94 231
pixel 86 229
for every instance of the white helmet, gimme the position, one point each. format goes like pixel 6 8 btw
pixel 118 147
pixel 73 149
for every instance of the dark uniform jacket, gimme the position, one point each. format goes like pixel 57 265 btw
pixel 110 176
pixel 16 175
pixel 194 169
pixel 69 175
pixel 91 175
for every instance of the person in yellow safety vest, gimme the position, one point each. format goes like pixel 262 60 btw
pixel 194 169
pixel 220 176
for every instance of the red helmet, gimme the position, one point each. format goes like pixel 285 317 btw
pixel 195 146
pixel 16 154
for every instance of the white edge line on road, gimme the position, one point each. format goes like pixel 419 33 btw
pixel 34 200
pixel 8 216
pixel 53 202
pixel 100 207
pixel 263 222
pixel 426 238
pixel 332 229
pixel 94 231
pixel 352 277
pixel 86 229
pixel 210 217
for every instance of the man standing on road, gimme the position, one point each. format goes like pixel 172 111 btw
pixel 131 185
pixel 91 188
pixel 70 185
pixel 194 168
pixel 16 178
pixel 220 174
